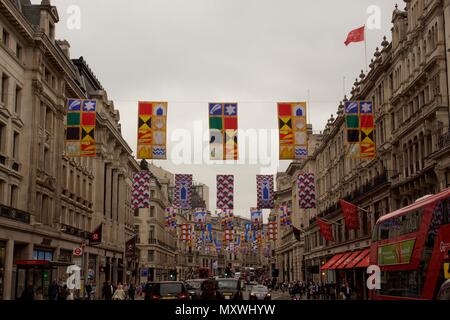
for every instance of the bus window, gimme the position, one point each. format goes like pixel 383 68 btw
pixel 401 284
pixel 399 226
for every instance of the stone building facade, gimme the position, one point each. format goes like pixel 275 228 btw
pixel 408 86
pixel 51 203
pixel 157 246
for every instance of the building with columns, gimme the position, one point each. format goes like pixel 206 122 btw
pixel 408 86
pixel 50 203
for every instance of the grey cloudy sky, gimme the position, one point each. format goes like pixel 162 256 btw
pixel 191 52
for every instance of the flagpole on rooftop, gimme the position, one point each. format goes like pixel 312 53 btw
pixel 365 47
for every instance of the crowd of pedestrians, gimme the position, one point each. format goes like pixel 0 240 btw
pixel 317 290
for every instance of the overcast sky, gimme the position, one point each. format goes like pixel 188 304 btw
pixel 254 52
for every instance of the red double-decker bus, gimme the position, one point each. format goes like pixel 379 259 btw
pixel 412 246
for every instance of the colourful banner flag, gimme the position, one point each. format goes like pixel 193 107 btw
pixel 186 232
pixel 226 219
pixel 141 190
pixel 183 191
pixel 306 191
pixel 200 218
pixel 272 231
pixel 223 126
pixel 225 192
pixel 80 128
pixel 256 217
pixel 357 35
pixel 292 119
pixel 351 215
pixel 152 128
pixel 170 218
pixel 360 132
pixel 264 186
pixel 325 230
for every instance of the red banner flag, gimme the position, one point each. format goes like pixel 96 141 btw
pixel 356 35
pixel 325 230
pixel 351 216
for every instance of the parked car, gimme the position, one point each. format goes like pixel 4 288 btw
pixel 169 290
pixel 260 293
pixel 194 288
pixel 229 289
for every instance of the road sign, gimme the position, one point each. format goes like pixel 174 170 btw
pixel 77 252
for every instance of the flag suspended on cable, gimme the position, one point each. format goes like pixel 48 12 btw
pixel 351 215
pixel 200 218
pixel 225 192
pixel 293 130
pixel 80 128
pixel 264 187
pixel 306 191
pixel 357 35
pixel 141 190
pixel 170 218
pixel 152 120
pixel 226 219
pixel 183 191
pixel 256 218
pixel 325 230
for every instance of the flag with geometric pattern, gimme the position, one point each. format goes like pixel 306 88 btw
pixel 264 186
pixel 256 217
pixel 306 191
pixel 170 218
pixel 223 130
pixel 225 192
pixel 360 130
pixel 226 219
pixel 152 128
pixel 293 130
pixel 183 191
pixel 141 190
pixel 80 128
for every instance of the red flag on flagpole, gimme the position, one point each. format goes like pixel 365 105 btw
pixel 325 230
pixel 357 35
pixel 350 215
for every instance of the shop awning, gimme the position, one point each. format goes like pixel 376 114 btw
pixel 332 261
pixel 365 262
pixel 362 254
pixel 349 259
pixel 342 259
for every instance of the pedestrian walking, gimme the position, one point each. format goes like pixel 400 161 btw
pixel 28 293
pixel 53 290
pixel 88 289
pixel 131 292
pixel 119 294
pixel 347 292
pixel 63 293
pixel 107 291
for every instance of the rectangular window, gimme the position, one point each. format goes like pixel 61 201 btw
pixel 5 87
pixel 13 196
pixel 19 51
pixel 151 233
pixel 5 38
pixel 15 146
pixel 152 212
pixel 151 255
pixel 18 100
pixel 2 141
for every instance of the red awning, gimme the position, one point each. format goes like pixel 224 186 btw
pixel 349 259
pixel 332 261
pixel 357 259
pixel 345 256
pixel 365 262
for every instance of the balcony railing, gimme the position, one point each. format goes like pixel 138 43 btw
pixel 14 214
pixel 444 140
pixel 75 232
